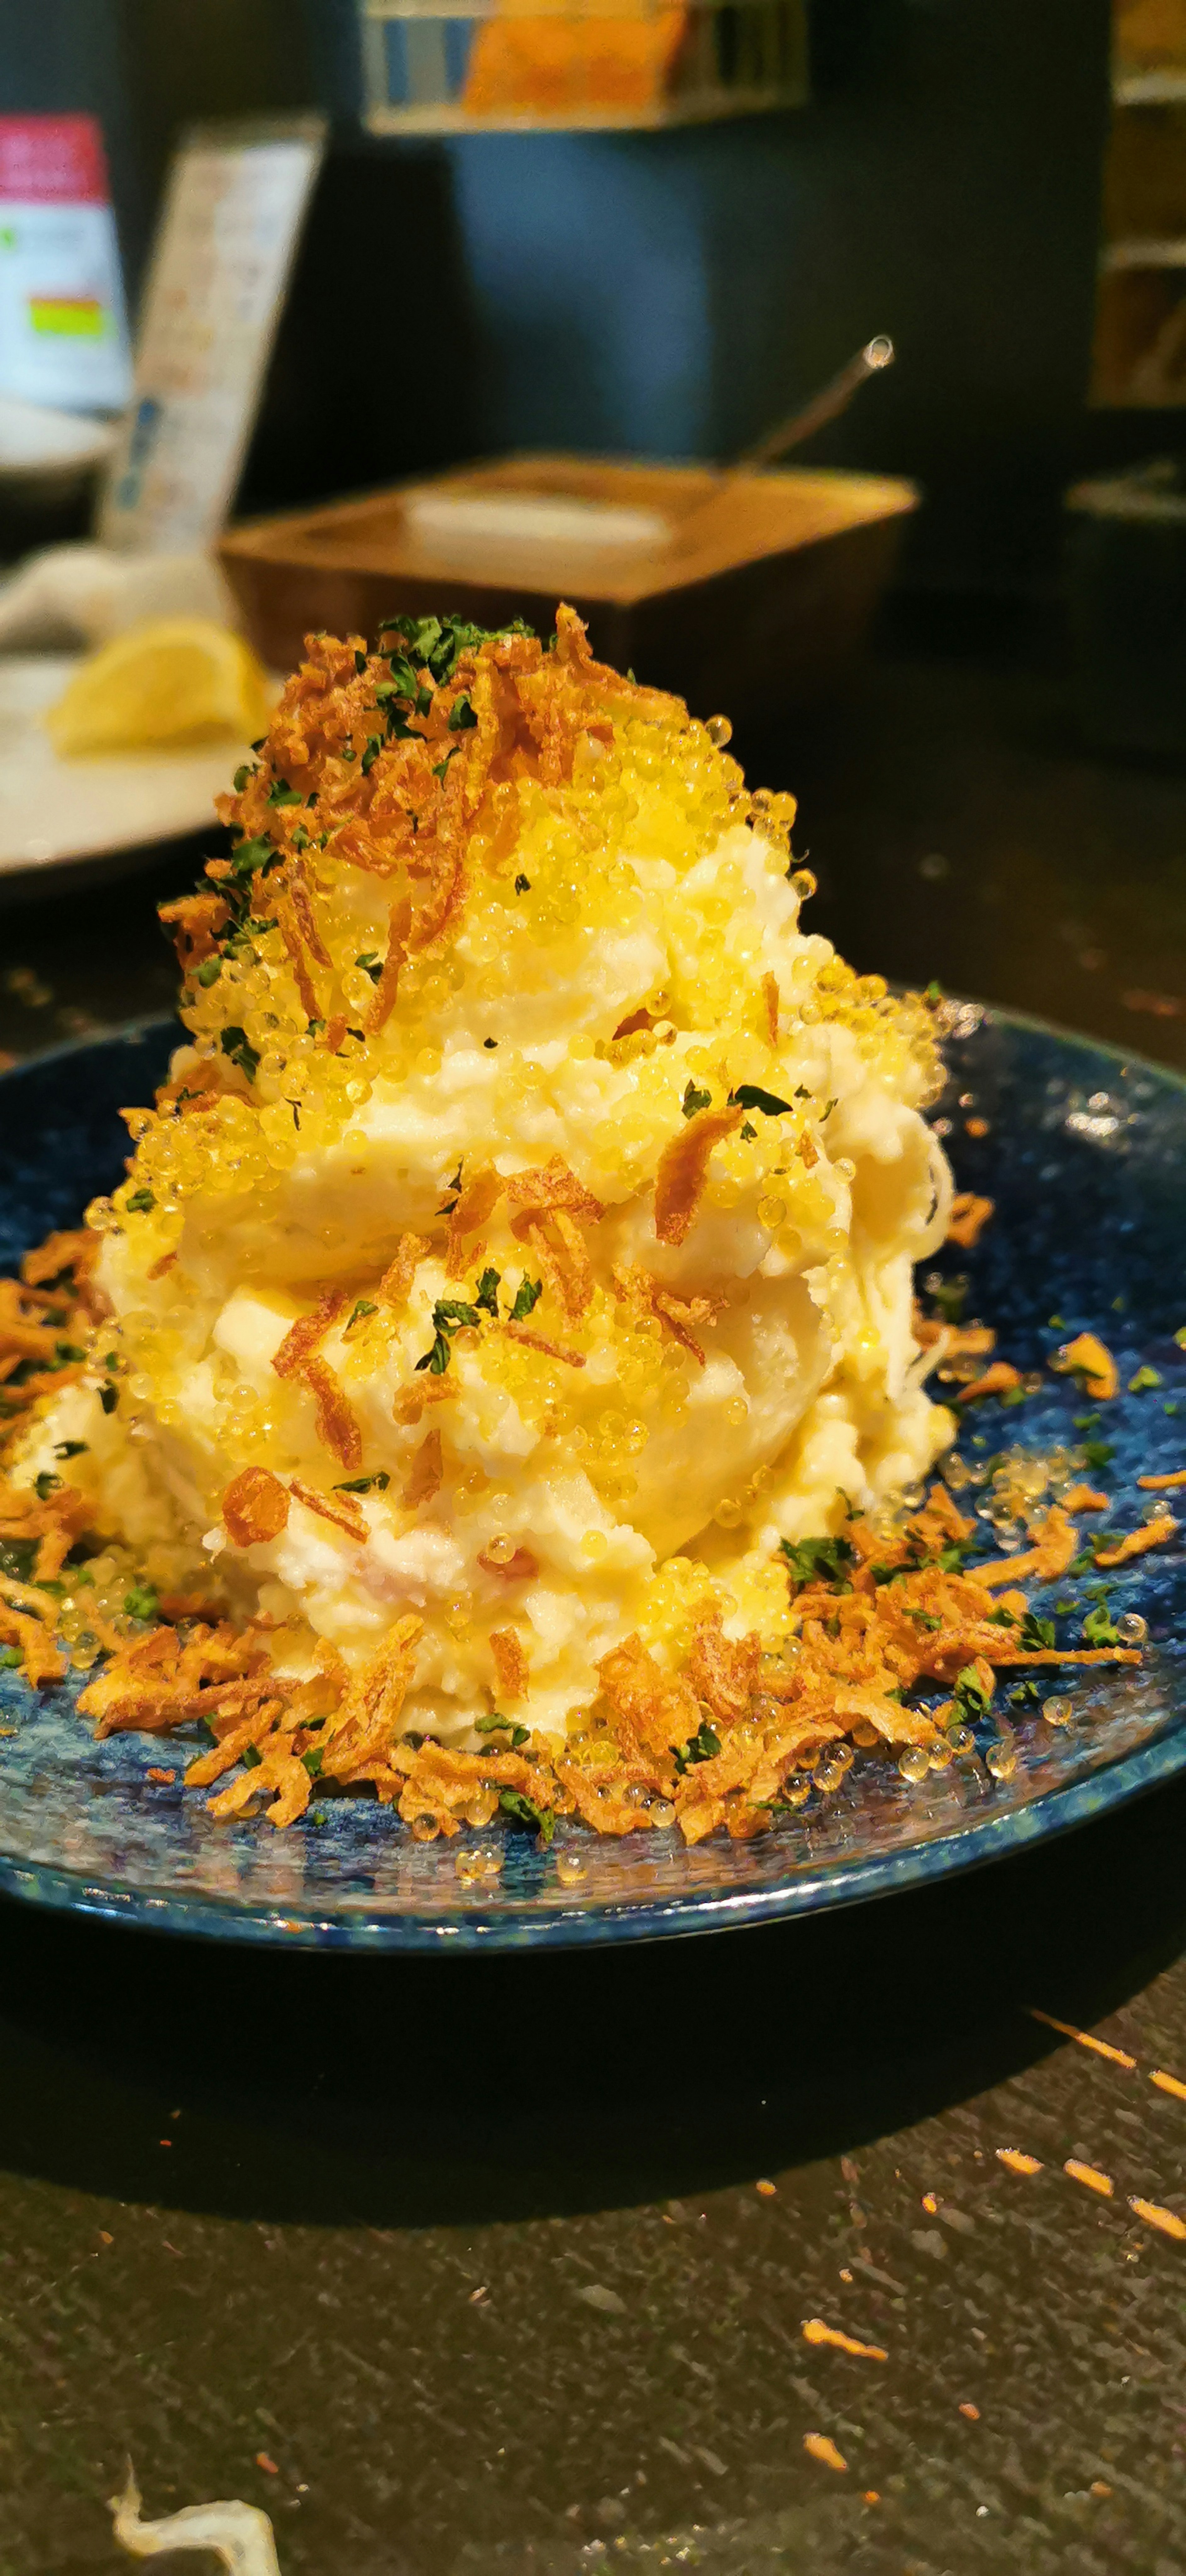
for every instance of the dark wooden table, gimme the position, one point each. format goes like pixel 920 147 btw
pixel 461 2267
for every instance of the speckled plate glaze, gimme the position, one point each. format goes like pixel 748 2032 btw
pixel 1084 1155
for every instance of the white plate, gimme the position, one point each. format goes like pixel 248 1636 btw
pixel 55 811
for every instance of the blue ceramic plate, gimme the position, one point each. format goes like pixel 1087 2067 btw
pixel 1084 1157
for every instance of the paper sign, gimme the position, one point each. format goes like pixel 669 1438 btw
pixel 216 287
pixel 63 333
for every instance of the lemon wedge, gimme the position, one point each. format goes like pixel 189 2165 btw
pixel 173 680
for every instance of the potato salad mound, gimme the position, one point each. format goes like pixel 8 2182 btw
pixel 520 1251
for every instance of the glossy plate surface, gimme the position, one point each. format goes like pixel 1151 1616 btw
pixel 57 813
pixel 1084 1156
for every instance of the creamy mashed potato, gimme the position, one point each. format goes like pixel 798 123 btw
pixel 534 1207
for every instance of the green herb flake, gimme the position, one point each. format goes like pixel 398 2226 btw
pixel 250 1758
pixel 46 1484
pixel 461 716
pixel 109 1398
pixel 522 885
pixel 704 1746
pixel 280 794
pixel 527 1294
pixel 1036 1635
pixel 819 1560
pixel 377 1483
pixel 233 1042
pixel 70 1448
pixel 1144 1379
pixel 498 1725
pixel 10 1657
pixel 1099 1628
pixel 141 1602
pixel 373 748
pixel 365 1306
pixel 486 1296
pixel 525 1811
pixel 313 1759
pixel 950 1296
pixel 208 972
pixel 749 1095
pixel 1098 1453
pixel 747 1133
pixel 140 1202
pixel 694 1100
pixel 971 1697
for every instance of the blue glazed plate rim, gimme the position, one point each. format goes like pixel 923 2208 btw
pixel 519 1925
pixel 661 1919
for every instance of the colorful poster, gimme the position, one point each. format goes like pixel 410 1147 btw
pixel 232 217
pixel 63 330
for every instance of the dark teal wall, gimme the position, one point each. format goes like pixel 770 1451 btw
pixel 671 293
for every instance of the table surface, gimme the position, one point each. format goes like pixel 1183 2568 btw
pixel 502 2265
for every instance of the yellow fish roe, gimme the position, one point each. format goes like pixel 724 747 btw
pixel 534 1204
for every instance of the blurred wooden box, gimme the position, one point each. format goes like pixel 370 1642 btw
pixel 752 595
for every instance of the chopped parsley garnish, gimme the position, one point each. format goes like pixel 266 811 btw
pixel 1099 1628
pixel 971 1697
pixel 378 1483
pixel 371 964
pixel 1013 1395
pixel 448 1315
pixel 694 1100
pixel 373 748
pixel 259 855
pixel 1000 1618
pixel 747 1133
pixel 360 661
pixel 934 992
pixel 234 1043
pixel 109 1398
pixel 70 1448
pixel 1035 1635
pixel 1098 1453
pixel 242 774
pixel 45 1484
pixel 313 1758
pixel 251 1757
pixel 1144 1379
pixel 1057 1323
pixel 522 885
pixel 365 1306
pixel 436 644
pixel 950 1296
pixel 1086 1421
pixel 208 972
pixel 749 1095
pixel 525 1811
pixel 67 1353
pixel 494 1724
pixel 141 1201
pixel 141 1602
pixel 703 1746
pixel 280 794
pixel 487 1292
pixel 527 1294
pixel 461 716
pixel 819 1560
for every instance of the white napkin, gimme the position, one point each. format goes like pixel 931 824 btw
pixel 80 595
